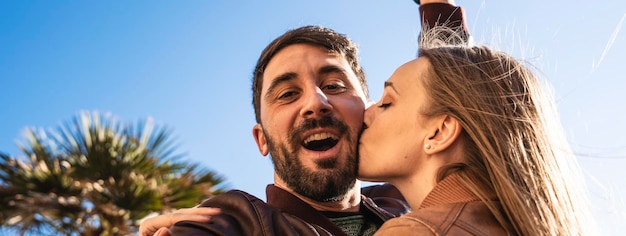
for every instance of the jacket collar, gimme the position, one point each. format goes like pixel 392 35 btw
pixel 290 204
pixel 452 190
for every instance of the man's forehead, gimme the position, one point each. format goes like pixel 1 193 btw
pixel 301 50
pixel 297 56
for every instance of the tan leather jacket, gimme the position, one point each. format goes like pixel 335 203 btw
pixel 449 209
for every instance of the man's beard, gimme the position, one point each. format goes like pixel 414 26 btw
pixel 331 181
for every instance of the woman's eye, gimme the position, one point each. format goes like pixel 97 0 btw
pixel 384 105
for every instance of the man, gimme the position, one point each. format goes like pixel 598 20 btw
pixel 309 95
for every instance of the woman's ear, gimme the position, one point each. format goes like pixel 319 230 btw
pixel 259 137
pixel 446 133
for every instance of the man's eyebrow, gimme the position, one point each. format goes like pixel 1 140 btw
pixel 390 84
pixel 332 69
pixel 279 80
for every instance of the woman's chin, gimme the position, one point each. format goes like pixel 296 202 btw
pixel 369 177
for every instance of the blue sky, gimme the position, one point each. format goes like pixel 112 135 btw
pixel 188 64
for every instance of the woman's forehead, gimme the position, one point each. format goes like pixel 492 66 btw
pixel 410 73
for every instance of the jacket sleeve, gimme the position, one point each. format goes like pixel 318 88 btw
pixel 244 214
pixel 443 14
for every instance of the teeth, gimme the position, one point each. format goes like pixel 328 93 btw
pixel 320 136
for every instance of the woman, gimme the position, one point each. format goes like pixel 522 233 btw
pixel 467 135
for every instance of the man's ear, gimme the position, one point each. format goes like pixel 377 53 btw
pixel 446 133
pixel 259 137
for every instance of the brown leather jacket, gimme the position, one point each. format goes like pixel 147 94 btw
pixel 285 214
pixel 449 209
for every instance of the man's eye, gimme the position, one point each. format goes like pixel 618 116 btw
pixel 287 95
pixel 384 105
pixel 334 88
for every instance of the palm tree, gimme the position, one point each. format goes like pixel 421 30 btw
pixel 97 176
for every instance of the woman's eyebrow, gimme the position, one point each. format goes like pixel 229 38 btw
pixel 390 84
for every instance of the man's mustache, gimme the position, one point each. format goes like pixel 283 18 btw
pixel 324 122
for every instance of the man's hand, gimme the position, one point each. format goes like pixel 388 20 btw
pixel 158 225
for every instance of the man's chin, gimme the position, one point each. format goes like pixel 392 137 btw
pixel 328 192
pixel 328 164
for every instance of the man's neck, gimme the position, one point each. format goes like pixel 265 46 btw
pixel 349 202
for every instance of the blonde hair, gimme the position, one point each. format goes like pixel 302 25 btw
pixel 512 138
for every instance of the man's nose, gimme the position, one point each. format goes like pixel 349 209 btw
pixel 316 104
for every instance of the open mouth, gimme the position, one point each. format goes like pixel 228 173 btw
pixel 320 142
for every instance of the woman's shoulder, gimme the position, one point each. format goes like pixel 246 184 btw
pixel 472 218
pixel 409 224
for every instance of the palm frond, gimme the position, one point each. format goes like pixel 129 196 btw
pixel 95 175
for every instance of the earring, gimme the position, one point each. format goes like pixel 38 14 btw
pixel 427 146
